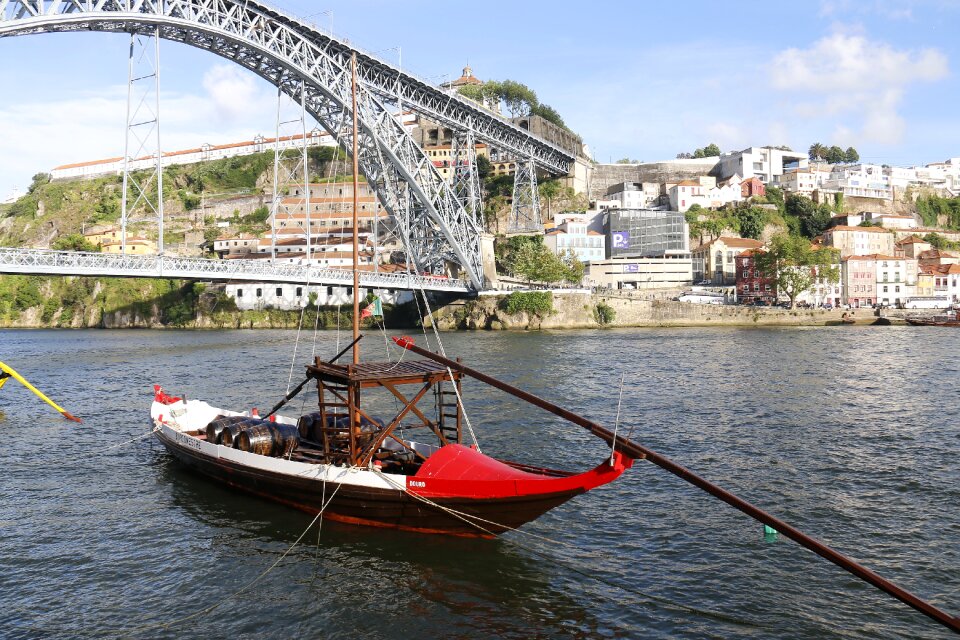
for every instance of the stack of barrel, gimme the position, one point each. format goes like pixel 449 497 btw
pixel 254 435
pixel 312 427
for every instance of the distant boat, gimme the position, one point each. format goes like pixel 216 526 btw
pixel 951 319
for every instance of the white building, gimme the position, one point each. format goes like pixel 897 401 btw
pixel 766 163
pixel 633 195
pixel 641 273
pixel 860 181
pixel 574 235
pixel 264 295
pixel 896 279
pixel 704 191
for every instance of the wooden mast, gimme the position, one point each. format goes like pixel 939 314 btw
pixel 356 200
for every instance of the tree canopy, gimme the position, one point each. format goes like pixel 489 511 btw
pixel 517 99
pixel 833 154
pixel 528 257
pixel 708 151
pixel 794 265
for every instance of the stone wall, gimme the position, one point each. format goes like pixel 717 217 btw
pixel 577 311
pixel 606 175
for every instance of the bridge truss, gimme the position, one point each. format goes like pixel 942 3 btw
pixel 78 263
pixel 312 67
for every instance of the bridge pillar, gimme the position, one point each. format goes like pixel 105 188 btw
pixel 525 212
pixel 489 261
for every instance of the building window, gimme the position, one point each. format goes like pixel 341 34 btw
pixel 239 293
pixel 299 291
pixel 259 292
pixel 729 256
pixel 279 292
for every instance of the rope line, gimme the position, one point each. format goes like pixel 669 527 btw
pixel 202 612
pixel 473 520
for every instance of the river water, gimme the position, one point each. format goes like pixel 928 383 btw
pixel 850 433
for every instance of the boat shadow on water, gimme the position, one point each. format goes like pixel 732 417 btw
pixel 487 586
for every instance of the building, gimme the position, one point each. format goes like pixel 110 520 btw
pixel 632 195
pixel 235 245
pixel 752 285
pixel 860 280
pixel 442 158
pixel 859 181
pixel 764 163
pixel 859 241
pixel 136 245
pixel 574 235
pixel 715 260
pixel 648 233
pixel 946 281
pixel 265 295
pixel 704 191
pixel 640 273
pixel 750 187
pixel 896 279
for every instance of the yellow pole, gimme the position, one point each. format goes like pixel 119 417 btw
pixel 7 372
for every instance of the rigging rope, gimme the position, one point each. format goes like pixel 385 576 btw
pixel 202 612
pixel 473 521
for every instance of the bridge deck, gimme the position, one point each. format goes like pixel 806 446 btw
pixel 77 263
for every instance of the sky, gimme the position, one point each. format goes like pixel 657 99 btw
pixel 637 80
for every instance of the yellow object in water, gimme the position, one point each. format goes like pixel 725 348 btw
pixel 7 372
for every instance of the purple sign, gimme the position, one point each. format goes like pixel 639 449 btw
pixel 621 240
pixel 631 268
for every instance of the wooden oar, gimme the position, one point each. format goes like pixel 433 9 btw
pixel 638 451
pixel 7 372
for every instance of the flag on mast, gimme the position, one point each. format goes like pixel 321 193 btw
pixel 375 309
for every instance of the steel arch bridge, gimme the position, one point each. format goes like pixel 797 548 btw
pixel 306 63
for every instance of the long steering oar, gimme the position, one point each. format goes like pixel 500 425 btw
pixel 7 372
pixel 638 451
pixel 293 394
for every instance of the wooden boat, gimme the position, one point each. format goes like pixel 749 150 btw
pixel 951 319
pixel 359 469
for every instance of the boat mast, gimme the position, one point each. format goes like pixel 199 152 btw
pixel 356 200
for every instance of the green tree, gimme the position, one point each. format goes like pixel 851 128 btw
pixel 794 265
pixel 27 296
pixel 549 191
pixel 816 223
pixel 800 206
pixel 483 166
pixel 935 240
pixel 817 150
pixel 835 155
pixel 549 114
pixel 38 181
pixel 851 155
pixel 775 196
pixel 518 98
pixel 73 242
pixel 627 160
pixel 711 150
pixel 472 91
pixel 752 221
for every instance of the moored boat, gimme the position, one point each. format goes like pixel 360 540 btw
pixel 950 319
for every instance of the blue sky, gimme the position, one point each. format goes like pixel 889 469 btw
pixel 636 79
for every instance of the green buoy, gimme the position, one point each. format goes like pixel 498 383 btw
pixel 769 533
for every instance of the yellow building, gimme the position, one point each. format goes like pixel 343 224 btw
pixel 135 246
pixel 441 156
pixel 100 236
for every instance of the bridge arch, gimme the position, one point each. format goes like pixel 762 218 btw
pixel 297 58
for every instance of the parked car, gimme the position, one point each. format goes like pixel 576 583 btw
pixel 827 306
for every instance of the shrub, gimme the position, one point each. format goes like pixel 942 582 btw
pixel 604 314
pixel 536 303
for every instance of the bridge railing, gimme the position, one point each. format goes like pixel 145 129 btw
pixel 17 260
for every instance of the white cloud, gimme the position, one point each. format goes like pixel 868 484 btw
pixel 848 75
pixel 233 91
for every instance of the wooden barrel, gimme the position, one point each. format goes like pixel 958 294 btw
pixel 257 439
pixel 286 439
pixel 228 437
pixel 306 422
pixel 215 428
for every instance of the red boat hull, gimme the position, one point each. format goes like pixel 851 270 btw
pixel 424 511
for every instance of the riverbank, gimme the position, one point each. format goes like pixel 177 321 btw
pixel 536 311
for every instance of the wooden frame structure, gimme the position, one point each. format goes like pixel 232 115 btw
pixel 348 435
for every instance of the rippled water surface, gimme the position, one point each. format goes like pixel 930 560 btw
pixel 850 433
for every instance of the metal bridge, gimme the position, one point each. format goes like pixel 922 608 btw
pixel 78 263
pixel 313 67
